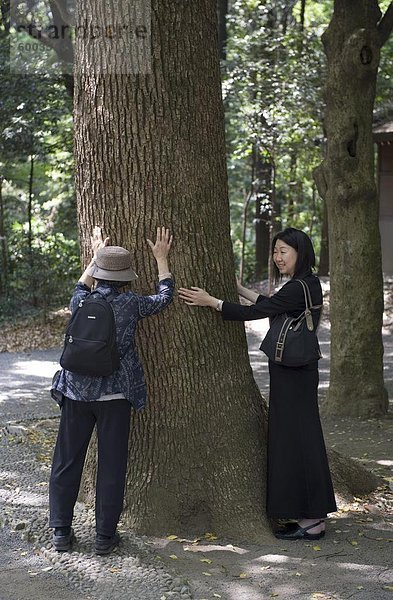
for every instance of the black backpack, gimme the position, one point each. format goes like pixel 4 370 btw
pixel 90 339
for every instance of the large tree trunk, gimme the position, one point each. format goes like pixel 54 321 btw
pixel 346 181
pixel 150 151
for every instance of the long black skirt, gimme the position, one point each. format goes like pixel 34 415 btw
pixel 299 481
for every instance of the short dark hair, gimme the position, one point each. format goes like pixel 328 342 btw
pixel 117 284
pixel 305 251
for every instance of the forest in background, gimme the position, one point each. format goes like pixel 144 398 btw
pixel 273 71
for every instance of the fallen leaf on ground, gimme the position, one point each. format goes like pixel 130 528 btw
pixel 210 536
pixel 206 560
pixel 171 537
pixel 316 548
pixel 206 573
pixel 173 556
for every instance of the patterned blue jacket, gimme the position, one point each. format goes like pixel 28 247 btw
pixel 129 379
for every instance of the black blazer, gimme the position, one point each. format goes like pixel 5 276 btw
pixel 289 299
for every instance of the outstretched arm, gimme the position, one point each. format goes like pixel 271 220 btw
pixel 289 298
pixel 161 250
pixel 246 293
pixel 196 296
pixel 96 243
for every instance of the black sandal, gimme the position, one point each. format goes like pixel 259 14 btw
pixel 300 533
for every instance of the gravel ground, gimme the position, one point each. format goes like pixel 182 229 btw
pixel 28 425
pixel 353 561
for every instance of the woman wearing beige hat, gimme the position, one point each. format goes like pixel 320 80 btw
pixel 103 401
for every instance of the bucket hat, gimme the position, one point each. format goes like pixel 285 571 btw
pixel 113 263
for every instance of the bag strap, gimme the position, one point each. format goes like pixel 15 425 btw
pixel 296 322
pixel 307 296
pixel 309 306
pixel 282 336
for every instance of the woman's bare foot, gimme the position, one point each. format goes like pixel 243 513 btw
pixel 317 529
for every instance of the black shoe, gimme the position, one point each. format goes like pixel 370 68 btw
pixel 285 527
pixel 299 533
pixel 105 544
pixel 62 541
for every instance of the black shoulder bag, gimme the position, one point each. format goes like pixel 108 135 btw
pixel 293 342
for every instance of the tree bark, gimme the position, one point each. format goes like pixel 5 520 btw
pixel 150 151
pixel 346 181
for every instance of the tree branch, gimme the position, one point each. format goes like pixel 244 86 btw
pixel 385 25
pixel 64 52
pixel 37 34
pixel 320 180
pixel 66 16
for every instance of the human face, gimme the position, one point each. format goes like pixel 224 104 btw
pixel 285 258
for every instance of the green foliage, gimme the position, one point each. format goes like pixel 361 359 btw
pixel 273 80
pixel 37 269
pixel 43 276
pixel 272 91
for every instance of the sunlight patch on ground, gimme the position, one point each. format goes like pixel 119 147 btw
pixel 215 548
pixel 8 474
pixel 278 558
pixel 25 498
pixel 37 368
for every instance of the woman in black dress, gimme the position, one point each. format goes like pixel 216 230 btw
pixel 299 485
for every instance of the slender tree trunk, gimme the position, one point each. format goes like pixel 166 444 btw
pixel 4 254
pixel 346 181
pixel 150 151
pixel 30 214
pixel 246 206
pixel 263 202
pixel 222 10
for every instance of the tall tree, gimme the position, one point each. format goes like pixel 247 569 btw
pixel 346 181
pixel 150 150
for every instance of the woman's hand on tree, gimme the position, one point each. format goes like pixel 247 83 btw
pixel 196 296
pixel 163 244
pixel 97 242
pixel 240 287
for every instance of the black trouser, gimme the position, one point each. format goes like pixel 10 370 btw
pixel 77 421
